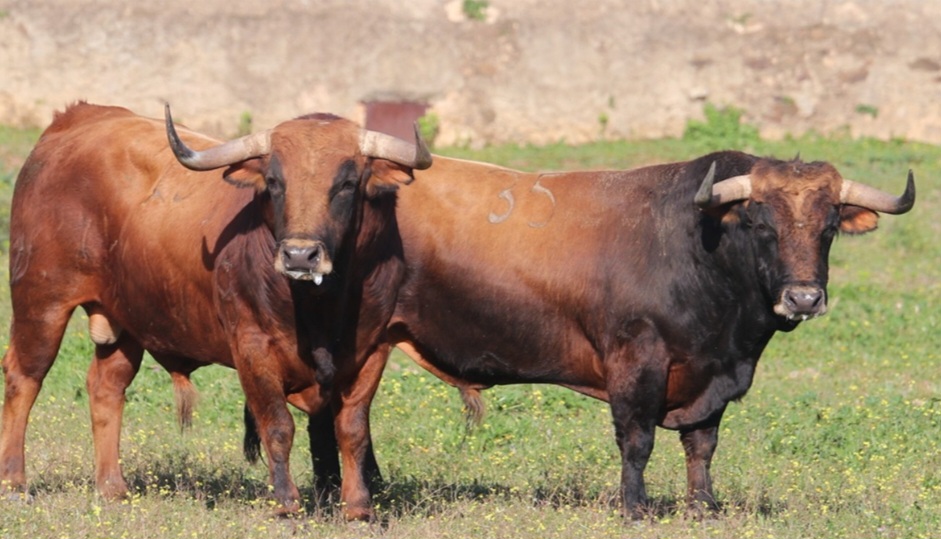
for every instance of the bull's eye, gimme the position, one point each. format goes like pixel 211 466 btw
pixel 764 231
pixel 274 185
pixel 757 226
pixel 344 188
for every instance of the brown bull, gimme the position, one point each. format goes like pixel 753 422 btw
pixel 176 262
pixel 654 289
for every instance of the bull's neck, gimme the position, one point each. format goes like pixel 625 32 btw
pixel 736 269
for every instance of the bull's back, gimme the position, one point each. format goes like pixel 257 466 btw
pixel 523 222
pixel 102 214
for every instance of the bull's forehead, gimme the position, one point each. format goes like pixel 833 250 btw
pixel 315 143
pixel 795 184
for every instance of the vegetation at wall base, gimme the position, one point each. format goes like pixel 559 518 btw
pixel 840 436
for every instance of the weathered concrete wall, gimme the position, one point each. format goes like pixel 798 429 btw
pixel 533 71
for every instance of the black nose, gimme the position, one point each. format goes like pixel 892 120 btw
pixel 801 300
pixel 301 257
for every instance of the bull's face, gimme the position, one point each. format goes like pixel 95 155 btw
pixel 316 172
pixel 790 212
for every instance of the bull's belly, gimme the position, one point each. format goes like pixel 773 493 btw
pixel 500 359
pixel 180 329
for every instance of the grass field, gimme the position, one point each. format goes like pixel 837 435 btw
pixel 840 435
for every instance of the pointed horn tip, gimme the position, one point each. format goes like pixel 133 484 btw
pixel 703 197
pixel 423 157
pixel 907 200
pixel 168 117
pixel 414 155
pixel 184 154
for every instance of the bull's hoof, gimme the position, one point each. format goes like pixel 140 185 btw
pixel 359 514
pixel 705 509
pixel 637 512
pixel 290 509
pixel 113 491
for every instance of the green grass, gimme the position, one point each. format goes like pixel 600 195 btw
pixel 840 435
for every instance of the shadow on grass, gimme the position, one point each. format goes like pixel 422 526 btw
pixel 172 476
pixel 396 498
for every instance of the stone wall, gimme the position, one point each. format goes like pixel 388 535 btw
pixel 532 71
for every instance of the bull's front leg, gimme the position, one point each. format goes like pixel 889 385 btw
pixel 267 402
pixel 324 452
pixel 360 469
pixel 636 378
pixel 700 445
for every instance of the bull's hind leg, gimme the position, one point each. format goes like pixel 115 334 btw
pixel 111 372
pixel 36 335
pixel 324 452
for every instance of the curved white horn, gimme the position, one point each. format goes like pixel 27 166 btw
pixel 858 194
pixel 225 154
pixel 712 194
pixel 382 146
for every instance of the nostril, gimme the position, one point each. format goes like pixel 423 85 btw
pixel 814 298
pixel 313 254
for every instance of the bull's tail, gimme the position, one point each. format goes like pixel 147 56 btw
pixel 185 394
pixel 474 406
pixel 251 444
pixel 473 403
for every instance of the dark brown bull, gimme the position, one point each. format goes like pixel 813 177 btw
pixel 175 262
pixel 655 289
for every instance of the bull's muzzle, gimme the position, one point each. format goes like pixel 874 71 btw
pixel 303 260
pixel 801 302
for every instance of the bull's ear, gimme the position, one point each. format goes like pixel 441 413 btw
pixel 857 220
pixel 248 173
pixel 730 215
pixel 386 176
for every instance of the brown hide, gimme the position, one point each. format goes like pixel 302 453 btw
pixel 182 264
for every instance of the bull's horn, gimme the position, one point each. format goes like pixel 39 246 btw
pixel 225 154
pixel 858 194
pixel 382 146
pixel 712 194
